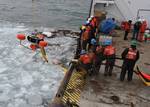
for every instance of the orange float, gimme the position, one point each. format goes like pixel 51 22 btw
pixel 43 44
pixel 33 47
pixel 21 37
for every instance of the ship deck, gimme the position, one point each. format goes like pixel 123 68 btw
pixel 101 91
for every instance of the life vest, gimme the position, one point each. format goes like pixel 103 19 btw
pixel 131 54
pixel 127 26
pixel 94 22
pixel 85 35
pixel 85 59
pixel 109 50
pixel 123 25
pixel 143 27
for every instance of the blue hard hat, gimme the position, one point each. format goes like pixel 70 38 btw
pixel 93 41
pixel 82 52
pixel 87 23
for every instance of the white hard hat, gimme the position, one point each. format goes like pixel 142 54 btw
pixel 92 16
pixel 89 19
pixel 143 20
pixel 140 20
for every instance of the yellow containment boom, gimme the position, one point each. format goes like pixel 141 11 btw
pixel 43 52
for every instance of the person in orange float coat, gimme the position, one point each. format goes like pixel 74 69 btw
pixel 86 60
pixel 109 54
pixel 85 38
pixel 142 31
pixel 127 28
pixel 130 57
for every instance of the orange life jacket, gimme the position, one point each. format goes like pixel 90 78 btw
pixel 85 35
pixel 143 27
pixel 94 22
pixel 131 54
pixel 127 26
pixel 109 50
pixel 85 59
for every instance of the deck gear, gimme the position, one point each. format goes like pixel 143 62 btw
pixel 107 26
pixel 109 54
pixel 130 57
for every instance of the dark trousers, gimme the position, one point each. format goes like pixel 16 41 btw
pixel 109 67
pixel 126 35
pixel 84 44
pixel 127 66
pixel 98 64
pixel 135 34
pixel 87 67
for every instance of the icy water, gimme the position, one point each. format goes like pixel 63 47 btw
pixel 48 13
pixel 25 81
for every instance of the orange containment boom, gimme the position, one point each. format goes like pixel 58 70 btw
pixel 143 76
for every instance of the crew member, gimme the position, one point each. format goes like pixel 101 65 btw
pixel 99 57
pixel 142 30
pixel 86 60
pixel 85 38
pixel 130 57
pixel 94 24
pixel 109 54
pixel 136 29
pixel 127 28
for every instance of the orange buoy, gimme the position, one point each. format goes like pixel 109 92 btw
pixel 21 37
pixel 43 44
pixel 33 47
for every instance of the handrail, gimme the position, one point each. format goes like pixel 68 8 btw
pixel 139 12
pixel 91 6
